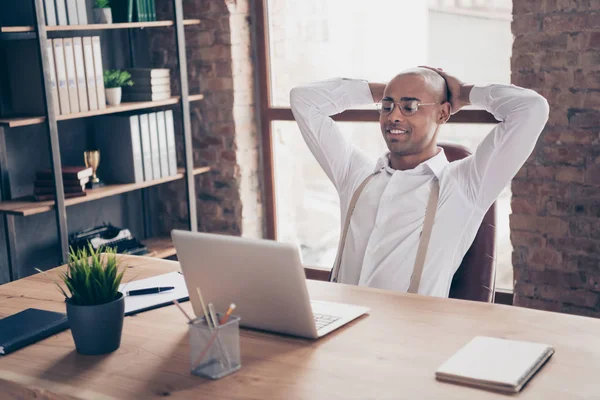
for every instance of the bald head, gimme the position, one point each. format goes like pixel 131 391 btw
pixel 432 82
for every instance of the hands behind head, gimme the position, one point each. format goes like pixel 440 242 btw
pixel 458 91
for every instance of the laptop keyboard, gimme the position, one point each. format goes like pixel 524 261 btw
pixel 322 320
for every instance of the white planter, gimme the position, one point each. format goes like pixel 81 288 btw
pixel 102 16
pixel 113 96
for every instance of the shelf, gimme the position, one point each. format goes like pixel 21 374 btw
pixel 159 247
pixel 121 25
pixel 27 206
pixel 21 121
pixel 123 107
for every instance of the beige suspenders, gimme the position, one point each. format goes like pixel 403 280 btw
pixel 423 242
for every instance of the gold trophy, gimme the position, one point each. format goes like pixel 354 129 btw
pixel 92 159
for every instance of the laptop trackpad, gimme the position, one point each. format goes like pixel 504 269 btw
pixel 337 309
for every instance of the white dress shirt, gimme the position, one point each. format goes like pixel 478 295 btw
pixel 384 231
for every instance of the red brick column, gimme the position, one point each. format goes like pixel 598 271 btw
pixel 224 127
pixel 555 225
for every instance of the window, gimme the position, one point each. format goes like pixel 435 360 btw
pixel 314 40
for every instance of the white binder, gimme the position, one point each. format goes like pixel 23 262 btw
pixel 71 75
pixel 162 144
pixel 171 147
pixel 80 74
pixel 90 75
pixel 154 146
pixel 146 147
pixel 50 12
pixel 72 12
pixel 61 76
pixel 99 72
pixel 52 72
pixel 61 12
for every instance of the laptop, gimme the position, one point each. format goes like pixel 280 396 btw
pixel 264 278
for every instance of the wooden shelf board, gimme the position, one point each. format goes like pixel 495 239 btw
pixel 159 247
pixel 126 106
pixel 13 29
pixel 123 107
pixel 27 206
pixel 195 97
pixel 21 121
pixel 120 25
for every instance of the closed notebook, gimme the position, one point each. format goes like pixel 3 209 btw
pixel 495 364
pixel 29 326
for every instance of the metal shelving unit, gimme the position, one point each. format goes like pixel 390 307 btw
pixel 18 208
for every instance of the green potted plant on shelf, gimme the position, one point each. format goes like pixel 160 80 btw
pixel 95 307
pixel 102 12
pixel 114 80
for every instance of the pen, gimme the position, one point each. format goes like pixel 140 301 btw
pixel 138 292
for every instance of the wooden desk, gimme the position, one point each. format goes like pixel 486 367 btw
pixel 390 354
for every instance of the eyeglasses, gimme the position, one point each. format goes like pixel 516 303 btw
pixel 407 107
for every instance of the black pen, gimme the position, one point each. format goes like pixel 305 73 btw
pixel 149 290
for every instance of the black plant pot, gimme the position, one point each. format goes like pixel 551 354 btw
pixel 97 329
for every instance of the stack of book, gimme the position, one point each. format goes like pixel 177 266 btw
pixel 74 180
pixel 76 77
pixel 149 84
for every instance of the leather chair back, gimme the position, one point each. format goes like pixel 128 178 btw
pixel 476 275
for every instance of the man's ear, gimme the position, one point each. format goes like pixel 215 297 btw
pixel 445 112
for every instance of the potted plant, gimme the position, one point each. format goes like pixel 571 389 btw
pixel 114 80
pixel 95 307
pixel 102 12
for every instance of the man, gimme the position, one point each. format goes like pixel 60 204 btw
pixel 386 224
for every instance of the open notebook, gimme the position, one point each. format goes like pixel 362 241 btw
pixel 136 304
pixel 495 364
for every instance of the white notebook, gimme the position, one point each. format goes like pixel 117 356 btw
pixel 136 304
pixel 494 363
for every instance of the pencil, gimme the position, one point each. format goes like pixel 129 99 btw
pixel 204 310
pixel 182 310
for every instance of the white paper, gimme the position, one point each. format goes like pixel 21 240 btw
pixel 147 301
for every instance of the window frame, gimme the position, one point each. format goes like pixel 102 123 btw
pixel 269 114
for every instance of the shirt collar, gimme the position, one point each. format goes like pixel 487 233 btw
pixel 435 164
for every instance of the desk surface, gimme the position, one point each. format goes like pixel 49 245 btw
pixel 390 353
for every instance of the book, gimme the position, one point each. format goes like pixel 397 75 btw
pixel 61 76
pixel 69 172
pixel 50 12
pixel 29 326
pixel 171 145
pixel 61 12
pixel 71 75
pixel 45 197
pixel 38 190
pixel 118 139
pixel 72 14
pixel 496 364
pixel 80 74
pixel 90 74
pixel 146 147
pixel 98 70
pixel 52 72
pixel 49 183
pixel 162 144
pixel 155 150
pixel 148 72
pixel 141 88
pixel 129 97
pixel 82 12
pixel 148 81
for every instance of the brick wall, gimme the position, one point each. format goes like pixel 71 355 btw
pixel 224 129
pixel 555 223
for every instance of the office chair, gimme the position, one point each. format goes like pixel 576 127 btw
pixel 476 276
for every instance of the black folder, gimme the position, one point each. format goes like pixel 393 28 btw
pixel 29 326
